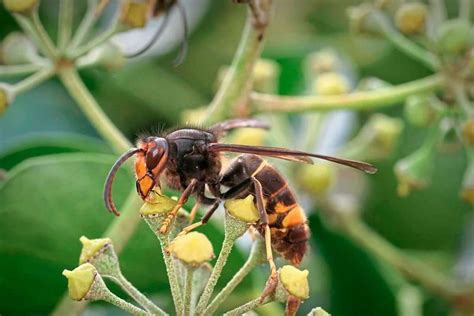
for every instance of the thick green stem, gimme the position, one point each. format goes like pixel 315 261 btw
pixel 188 288
pixel 33 80
pixel 238 79
pixel 404 44
pixel 92 110
pixel 138 296
pixel 120 303
pixel 216 272
pixel 364 100
pixel 257 256
pixel 247 307
pixel 65 21
pixel 411 268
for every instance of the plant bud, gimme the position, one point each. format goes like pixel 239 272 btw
pixel 316 179
pixel 6 96
pixel 419 111
pixel 411 17
pixel 467 190
pixel 158 205
pixel 295 281
pixel 361 20
pixel 318 311
pixel 21 6
pixel 377 139
pixel 331 83
pixel 192 249
pixel 322 61
pixel 454 36
pixel 243 209
pixel 91 248
pixel 18 49
pixel 468 131
pixel 80 281
pixel 414 171
pixel 107 55
pixel 266 73
pixel 134 14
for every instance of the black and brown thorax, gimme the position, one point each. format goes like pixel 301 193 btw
pixel 286 218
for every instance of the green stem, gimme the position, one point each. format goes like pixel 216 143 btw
pixel 101 38
pixel 247 307
pixel 33 80
pixel 138 296
pixel 171 271
pixel 92 110
pixel 364 100
pixel 237 81
pixel 65 21
pixel 256 257
pixel 188 288
pixel 18 70
pixel 404 44
pixel 120 303
pixel 438 10
pixel 216 272
pixel 86 24
pixel 411 268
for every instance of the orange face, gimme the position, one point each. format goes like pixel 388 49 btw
pixel 150 162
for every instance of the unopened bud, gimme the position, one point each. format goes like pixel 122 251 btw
pixel 243 209
pixel 265 76
pixel 158 205
pixel 317 178
pixel 91 248
pixel 80 281
pixel 322 61
pixel 295 281
pixel 318 311
pixel 134 14
pixel 419 110
pixel 411 17
pixel 18 49
pixel 331 83
pixel 454 36
pixel 414 171
pixel 21 6
pixel 361 20
pixel 192 249
pixel 468 131
pixel 107 55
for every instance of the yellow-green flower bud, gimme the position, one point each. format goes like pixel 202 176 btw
pixel 265 76
pixel 295 281
pixel 361 19
pixel 243 209
pixel 411 17
pixel 193 249
pixel 322 61
pixel 18 49
pixel 454 36
pixel 20 6
pixel 134 14
pixel 80 281
pixel 92 247
pixel 468 131
pixel 158 205
pixel 331 83
pixel 419 111
pixel 317 178
pixel 249 136
pixel 414 171
pixel 6 96
pixel 107 55
pixel 318 311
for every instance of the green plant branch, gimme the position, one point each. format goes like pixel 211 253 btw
pixel 403 43
pixel 86 24
pixel 97 41
pixel 413 269
pixel 33 80
pixel 364 100
pixel 248 307
pixel 255 258
pixel 188 288
pixel 227 246
pixel 237 82
pixel 120 303
pixel 92 110
pixel 65 21
pixel 35 30
pixel 7 71
pixel 138 296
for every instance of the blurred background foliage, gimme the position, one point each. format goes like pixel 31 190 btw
pixel 55 165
